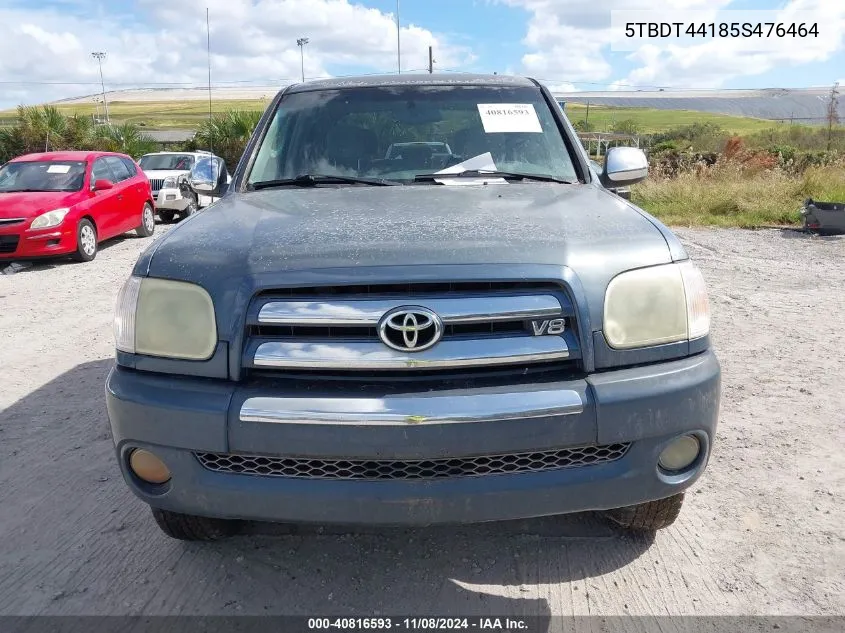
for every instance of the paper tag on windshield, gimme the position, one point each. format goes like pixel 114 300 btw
pixel 509 117
pixel 58 169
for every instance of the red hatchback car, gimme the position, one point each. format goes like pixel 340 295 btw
pixel 66 203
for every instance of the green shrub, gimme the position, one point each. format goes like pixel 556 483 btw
pixel 665 146
pixel 583 125
pixel 785 153
pixel 626 126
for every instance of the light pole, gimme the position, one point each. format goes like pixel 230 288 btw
pixel 100 56
pixel 398 42
pixel 301 42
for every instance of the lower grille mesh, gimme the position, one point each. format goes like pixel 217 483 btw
pixel 308 468
pixel 8 243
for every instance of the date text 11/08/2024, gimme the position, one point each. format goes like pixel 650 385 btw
pixel 428 623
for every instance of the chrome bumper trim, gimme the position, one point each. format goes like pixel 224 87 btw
pixel 409 410
pixel 367 312
pixel 374 355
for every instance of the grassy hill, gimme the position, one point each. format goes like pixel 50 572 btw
pixel 650 120
pixel 156 115
pixel 187 114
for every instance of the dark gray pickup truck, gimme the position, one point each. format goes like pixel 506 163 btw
pixel 352 337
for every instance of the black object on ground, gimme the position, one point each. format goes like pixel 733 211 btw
pixel 825 218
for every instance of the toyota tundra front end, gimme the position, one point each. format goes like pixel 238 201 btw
pixel 478 335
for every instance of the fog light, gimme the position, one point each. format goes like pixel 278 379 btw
pixel 680 453
pixel 148 467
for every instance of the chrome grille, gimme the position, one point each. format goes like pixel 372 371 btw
pixel 156 184
pixel 445 468
pixel 485 324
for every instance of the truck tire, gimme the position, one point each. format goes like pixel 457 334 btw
pixel 167 216
pixel 193 206
pixel 648 517
pixel 186 527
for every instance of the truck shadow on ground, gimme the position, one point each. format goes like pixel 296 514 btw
pixel 798 234
pixel 80 542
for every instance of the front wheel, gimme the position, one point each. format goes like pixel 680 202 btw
pixel 86 241
pixel 186 527
pixel 192 207
pixel 648 517
pixel 148 221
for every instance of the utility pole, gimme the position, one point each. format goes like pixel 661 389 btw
pixel 301 42
pixel 100 56
pixel 832 113
pixel 208 53
pixel 587 118
pixel 430 61
pixel 398 42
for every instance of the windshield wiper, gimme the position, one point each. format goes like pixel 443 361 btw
pixel 312 180
pixel 481 173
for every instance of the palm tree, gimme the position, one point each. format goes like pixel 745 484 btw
pixel 125 138
pixel 79 132
pixel 228 133
pixel 11 144
pixel 41 128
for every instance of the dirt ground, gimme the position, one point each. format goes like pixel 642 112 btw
pixel 761 533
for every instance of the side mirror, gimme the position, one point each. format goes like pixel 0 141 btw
pixel 103 185
pixel 209 177
pixel 624 166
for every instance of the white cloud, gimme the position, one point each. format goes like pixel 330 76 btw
pixel 561 87
pixel 166 42
pixel 712 63
pixel 569 41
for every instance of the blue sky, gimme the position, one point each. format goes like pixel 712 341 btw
pixel 566 43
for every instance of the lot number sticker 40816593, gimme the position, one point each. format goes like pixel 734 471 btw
pixel 509 117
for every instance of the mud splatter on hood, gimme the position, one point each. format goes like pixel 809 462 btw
pixel 249 237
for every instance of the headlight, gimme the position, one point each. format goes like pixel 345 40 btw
pixel 51 218
pixel 652 306
pixel 169 183
pixel 159 317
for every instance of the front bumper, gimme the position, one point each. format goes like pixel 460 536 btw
pixel 17 243
pixel 170 200
pixel 646 407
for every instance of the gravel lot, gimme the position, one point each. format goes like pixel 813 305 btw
pixel 762 532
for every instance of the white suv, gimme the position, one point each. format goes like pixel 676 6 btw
pixel 168 174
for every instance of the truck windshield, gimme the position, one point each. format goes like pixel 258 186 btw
pixel 42 175
pixel 398 133
pixel 166 162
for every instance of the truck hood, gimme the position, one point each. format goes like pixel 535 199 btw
pixel 164 173
pixel 248 239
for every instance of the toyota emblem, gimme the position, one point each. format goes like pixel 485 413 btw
pixel 410 328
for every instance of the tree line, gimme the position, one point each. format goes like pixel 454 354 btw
pixel 47 129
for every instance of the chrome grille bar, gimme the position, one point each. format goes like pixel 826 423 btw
pixel 374 355
pixel 403 410
pixel 367 312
